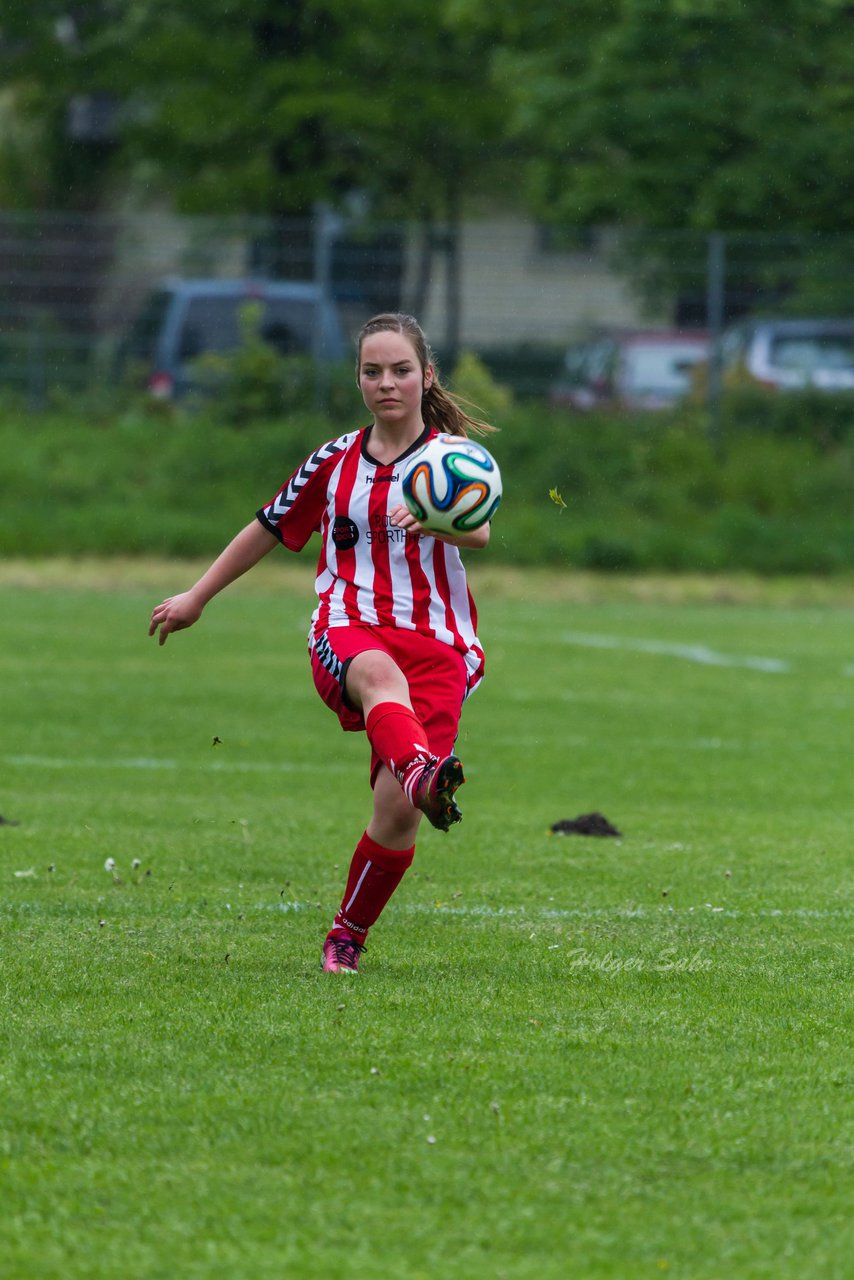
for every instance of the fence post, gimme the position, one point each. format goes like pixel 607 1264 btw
pixel 326 226
pixel 715 293
pixel 453 266
pixel 36 372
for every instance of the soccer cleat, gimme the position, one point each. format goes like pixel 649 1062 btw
pixel 434 791
pixel 341 955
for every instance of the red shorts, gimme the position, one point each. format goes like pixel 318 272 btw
pixel 436 674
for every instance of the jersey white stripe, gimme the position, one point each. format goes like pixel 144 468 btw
pixel 437 610
pixel 401 586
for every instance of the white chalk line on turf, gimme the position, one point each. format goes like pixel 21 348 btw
pixel 688 652
pixel 526 914
pixel 167 765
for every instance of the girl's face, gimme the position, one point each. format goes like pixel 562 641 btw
pixel 391 380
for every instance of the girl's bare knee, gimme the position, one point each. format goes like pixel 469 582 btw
pixel 374 677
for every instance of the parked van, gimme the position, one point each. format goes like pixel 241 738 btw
pixel 184 319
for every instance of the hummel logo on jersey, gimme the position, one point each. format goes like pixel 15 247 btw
pixel 382 479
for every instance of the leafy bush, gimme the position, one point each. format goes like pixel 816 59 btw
pixel 256 382
pixel 644 492
pixel 475 385
pixel 813 417
pixel 528 370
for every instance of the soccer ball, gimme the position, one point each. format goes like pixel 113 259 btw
pixel 451 485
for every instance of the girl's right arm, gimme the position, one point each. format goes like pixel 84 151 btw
pixel 178 612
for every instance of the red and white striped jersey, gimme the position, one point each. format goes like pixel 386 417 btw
pixel 369 571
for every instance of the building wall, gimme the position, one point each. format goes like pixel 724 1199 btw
pixel 516 289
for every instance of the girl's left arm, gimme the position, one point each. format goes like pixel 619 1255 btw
pixel 477 539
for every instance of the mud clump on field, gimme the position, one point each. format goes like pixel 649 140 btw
pixel 586 824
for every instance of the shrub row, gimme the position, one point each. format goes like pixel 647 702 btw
pixel 644 492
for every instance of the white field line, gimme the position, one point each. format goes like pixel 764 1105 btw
pixel 688 652
pixel 526 914
pixel 164 764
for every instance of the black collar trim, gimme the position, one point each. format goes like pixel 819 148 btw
pixel 416 444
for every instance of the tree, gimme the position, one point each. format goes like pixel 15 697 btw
pixel 269 107
pixel 265 106
pixel 59 115
pixel 703 114
pixel 435 131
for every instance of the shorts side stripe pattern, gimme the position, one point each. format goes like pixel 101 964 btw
pixel 327 658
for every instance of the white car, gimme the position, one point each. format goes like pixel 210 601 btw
pixel 791 354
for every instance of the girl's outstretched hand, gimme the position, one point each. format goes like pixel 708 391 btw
pixel 174 614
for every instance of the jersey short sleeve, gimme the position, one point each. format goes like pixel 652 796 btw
pixel 295 513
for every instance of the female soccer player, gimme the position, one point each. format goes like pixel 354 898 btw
pixel 393 642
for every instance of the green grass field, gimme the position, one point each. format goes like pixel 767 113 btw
pixel 564 1057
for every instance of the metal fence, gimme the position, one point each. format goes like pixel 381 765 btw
pixel 501 286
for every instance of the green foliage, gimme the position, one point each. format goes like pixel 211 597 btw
pixel 528 370
pixel 642 492
pixel 602 112
pixel 822 419
pixel 473 382
pixel 637 112
pixel 255 383
pixel 168 484
pixel 53 59
pixel 259 108
pixel 603 1058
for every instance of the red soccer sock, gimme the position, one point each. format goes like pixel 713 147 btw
pixel 375 873
pixel 399 739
